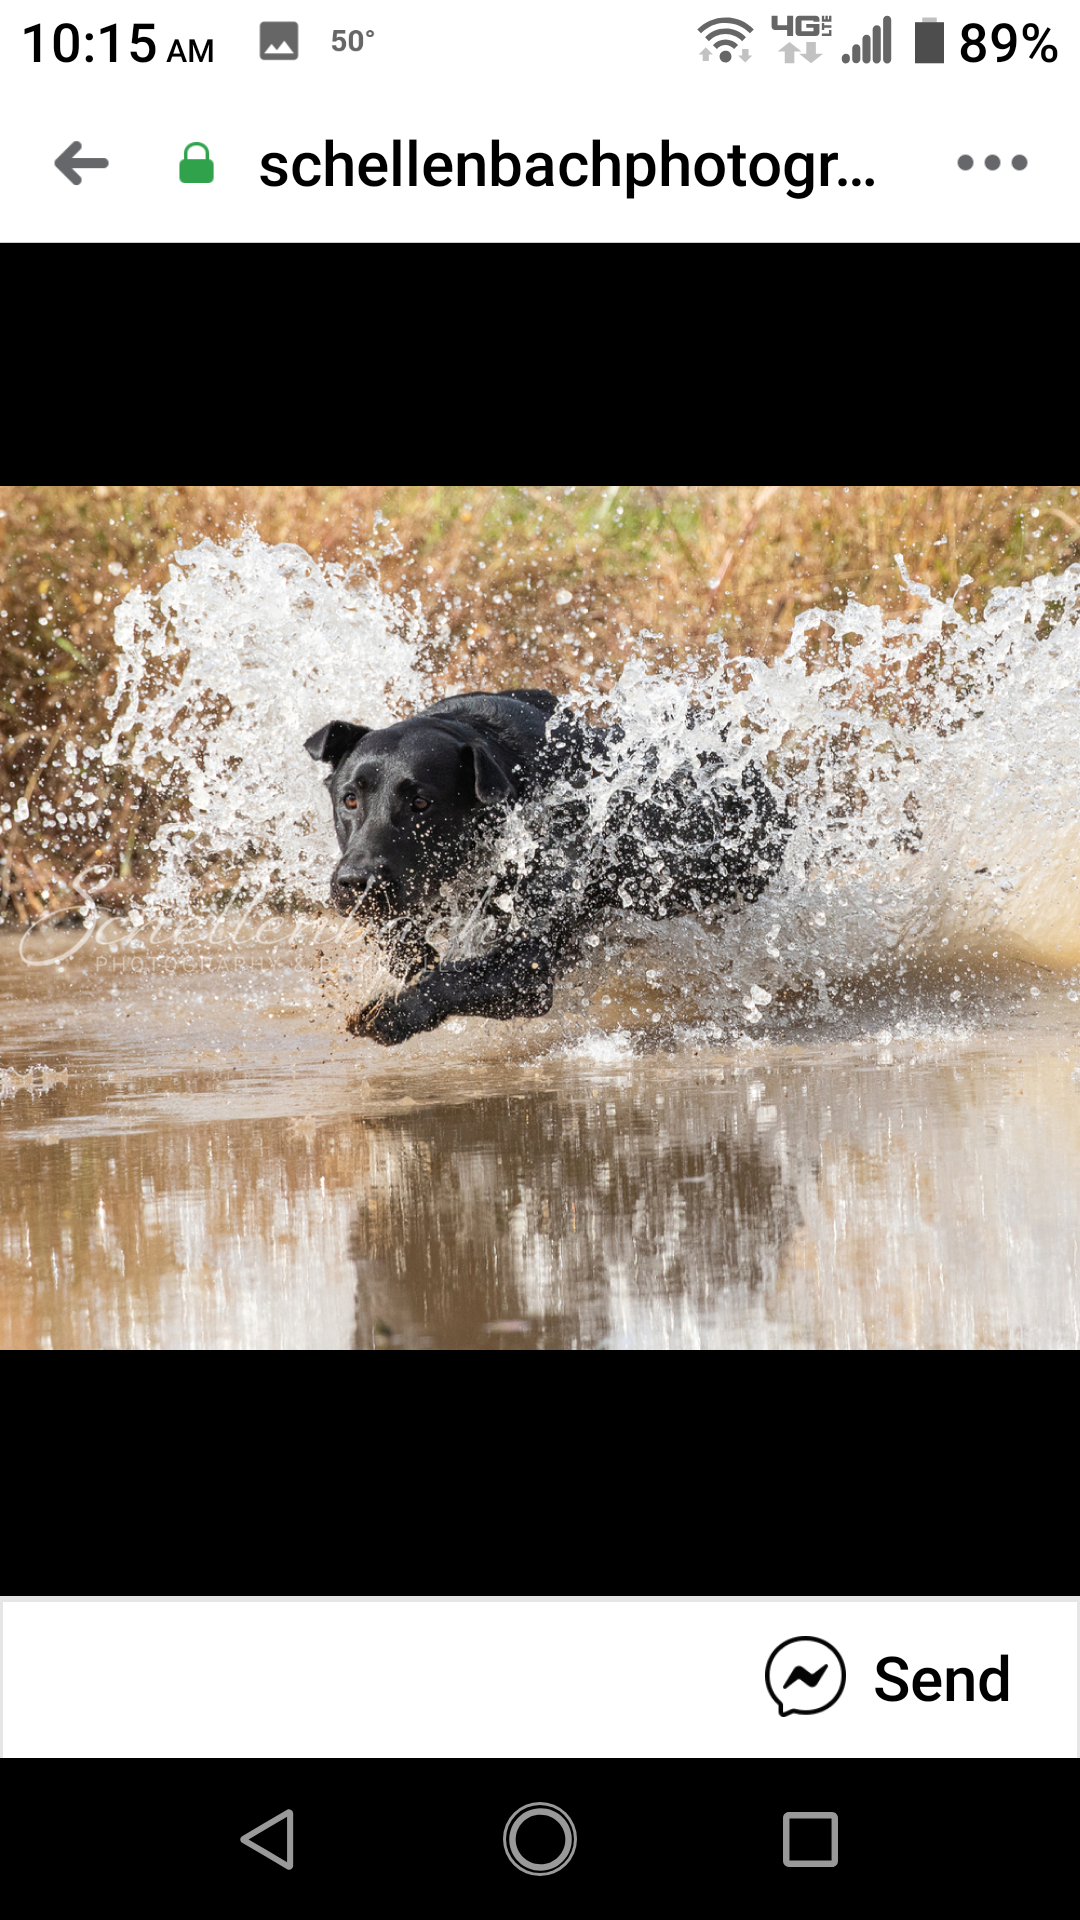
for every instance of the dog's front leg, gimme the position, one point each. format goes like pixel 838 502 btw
pixel 503 985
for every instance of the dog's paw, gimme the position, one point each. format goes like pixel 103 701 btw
pixel 389 1022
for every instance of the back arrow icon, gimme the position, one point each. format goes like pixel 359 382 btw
pixel 248 1839
pixel 67 163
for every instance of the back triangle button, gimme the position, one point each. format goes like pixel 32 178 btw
pixel 249 1840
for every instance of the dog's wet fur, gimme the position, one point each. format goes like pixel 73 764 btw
pixel 418 804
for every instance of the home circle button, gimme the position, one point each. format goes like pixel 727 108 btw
pixel 539 1838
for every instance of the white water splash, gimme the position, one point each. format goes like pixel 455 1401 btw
pixel 934 768
pixel 931 764
pixel 222 675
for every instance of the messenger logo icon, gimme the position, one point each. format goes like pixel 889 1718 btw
pixel 804 1675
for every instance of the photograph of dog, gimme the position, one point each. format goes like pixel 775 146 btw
pixel 531 918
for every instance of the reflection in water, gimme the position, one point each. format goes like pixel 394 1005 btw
pixel 204 1163
pixel 192 1236
pixel 566 1219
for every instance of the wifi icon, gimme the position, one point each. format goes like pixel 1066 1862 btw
pixel 725 35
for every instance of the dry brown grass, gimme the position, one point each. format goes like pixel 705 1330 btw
pixel 665 571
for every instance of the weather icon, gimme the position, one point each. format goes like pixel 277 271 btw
pixel 804 1675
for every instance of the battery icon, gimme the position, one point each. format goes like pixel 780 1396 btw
pixel 929 42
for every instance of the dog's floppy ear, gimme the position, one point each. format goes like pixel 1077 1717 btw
pixel 491 782
pixel 333 742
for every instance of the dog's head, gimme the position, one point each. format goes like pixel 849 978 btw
pixel 407 801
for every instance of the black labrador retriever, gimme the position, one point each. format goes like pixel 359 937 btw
pixel 417 809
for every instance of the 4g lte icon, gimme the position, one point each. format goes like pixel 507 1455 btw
pixel 926 1683
pixel 803 26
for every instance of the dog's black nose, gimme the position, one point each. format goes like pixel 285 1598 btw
pixel 358 881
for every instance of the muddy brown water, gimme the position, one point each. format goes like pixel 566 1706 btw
pixel 197 1157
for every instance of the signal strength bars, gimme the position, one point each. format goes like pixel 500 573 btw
pixel 876 46
pixel 724 36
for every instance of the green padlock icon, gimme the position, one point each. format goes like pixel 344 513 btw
pixel 196 169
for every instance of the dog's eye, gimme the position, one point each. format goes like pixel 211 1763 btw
pixel 420 803
pixel 350 801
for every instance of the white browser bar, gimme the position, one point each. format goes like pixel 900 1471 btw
pixel 482 122
pixel 585 1678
